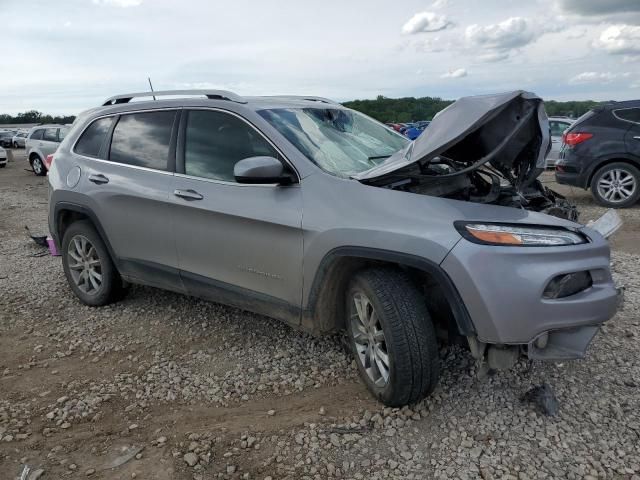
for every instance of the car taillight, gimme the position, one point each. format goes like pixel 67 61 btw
pixel 48 161
pixel 573 139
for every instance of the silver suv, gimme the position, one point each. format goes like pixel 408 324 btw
pixel 306 211
pixel 42 141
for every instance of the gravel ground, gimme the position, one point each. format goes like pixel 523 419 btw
pixel 164 386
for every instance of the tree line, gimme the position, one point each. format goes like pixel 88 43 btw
pixel 385 109
pixel 411 109
pixel 34 116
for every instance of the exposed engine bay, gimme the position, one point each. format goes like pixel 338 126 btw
pixel 487 149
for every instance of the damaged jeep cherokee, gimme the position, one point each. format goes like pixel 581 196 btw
pixel 306 211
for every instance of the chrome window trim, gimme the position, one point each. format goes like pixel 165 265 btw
pixel 234 184
pixel 107 115
pixel 614 112
pixel 135 167
pixel 275 147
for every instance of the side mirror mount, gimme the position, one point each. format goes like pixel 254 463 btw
pixel 260 170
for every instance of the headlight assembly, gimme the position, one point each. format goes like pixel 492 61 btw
pixel 519 235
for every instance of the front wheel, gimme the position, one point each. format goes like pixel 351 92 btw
pixel 616 185
pixel 392 337
pixel 38 166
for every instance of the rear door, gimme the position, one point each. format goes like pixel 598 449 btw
pixel 49 143
pixel 127 181
pixel 237 243
pixel 34 142
pixel 631 116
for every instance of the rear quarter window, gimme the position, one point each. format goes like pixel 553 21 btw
pixel 93 138
pixel 50 135
pixel 37 135
pixel 628 114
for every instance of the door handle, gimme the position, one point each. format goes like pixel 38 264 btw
pixel 98 179
pixel 188 194
pixel 637 137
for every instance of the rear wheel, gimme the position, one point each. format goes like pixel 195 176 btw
pixel 616 185
pixel 88 267
pixel 392 336
pixel 37 166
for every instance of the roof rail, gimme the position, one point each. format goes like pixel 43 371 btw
pixel 211 94
pixel 308 98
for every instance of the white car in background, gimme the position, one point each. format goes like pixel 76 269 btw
pixel 557 125
pixel 3 157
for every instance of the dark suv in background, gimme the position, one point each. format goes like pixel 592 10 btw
pixel 601 151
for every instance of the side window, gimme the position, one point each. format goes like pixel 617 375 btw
pixel 50 135
pixel 93 138
pixel 142 139
pixel 629 114
pixel 558 128
pixel 216 141
pixel 62 132
pixel 37 135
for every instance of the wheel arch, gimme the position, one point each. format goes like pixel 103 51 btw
pixel 325 307
pixel 609 160
pixel 66 213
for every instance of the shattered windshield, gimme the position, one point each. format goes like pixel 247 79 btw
pixel 342 142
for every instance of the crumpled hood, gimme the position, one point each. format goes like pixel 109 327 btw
pixel 488 122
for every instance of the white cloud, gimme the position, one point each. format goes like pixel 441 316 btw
pixel 575 33
pixel 440 4
pixel 430 45
pixel 512 33
pixel 425 22
pixel 597 77
pixel 619 39
pixel 119 3
pixel 457 73
pixel 496 56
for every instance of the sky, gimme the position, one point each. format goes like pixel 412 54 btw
pixel 65 56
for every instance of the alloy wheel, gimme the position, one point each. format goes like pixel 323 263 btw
pixel 369 339
pixel 84 265
pixel 617 185
pixel 37 166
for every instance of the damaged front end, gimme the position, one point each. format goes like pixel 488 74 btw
pixel 487 149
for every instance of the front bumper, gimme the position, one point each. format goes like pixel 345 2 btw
pixel 502 288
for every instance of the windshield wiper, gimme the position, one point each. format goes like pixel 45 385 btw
pixel 377 157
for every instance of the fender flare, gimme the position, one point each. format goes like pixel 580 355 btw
pixel 74 207
pixel 604 160
pixel 458 308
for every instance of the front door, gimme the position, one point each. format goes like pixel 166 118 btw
pixel 238 244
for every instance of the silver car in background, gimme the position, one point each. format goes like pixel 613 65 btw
pixel 557 125
pixel 19 140
pixel 41 141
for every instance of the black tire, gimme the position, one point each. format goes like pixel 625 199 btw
pixel 111 287
pixel 37 165
pixel 627 173
pixel 15 144
pixel 2 165
pixel 409 336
